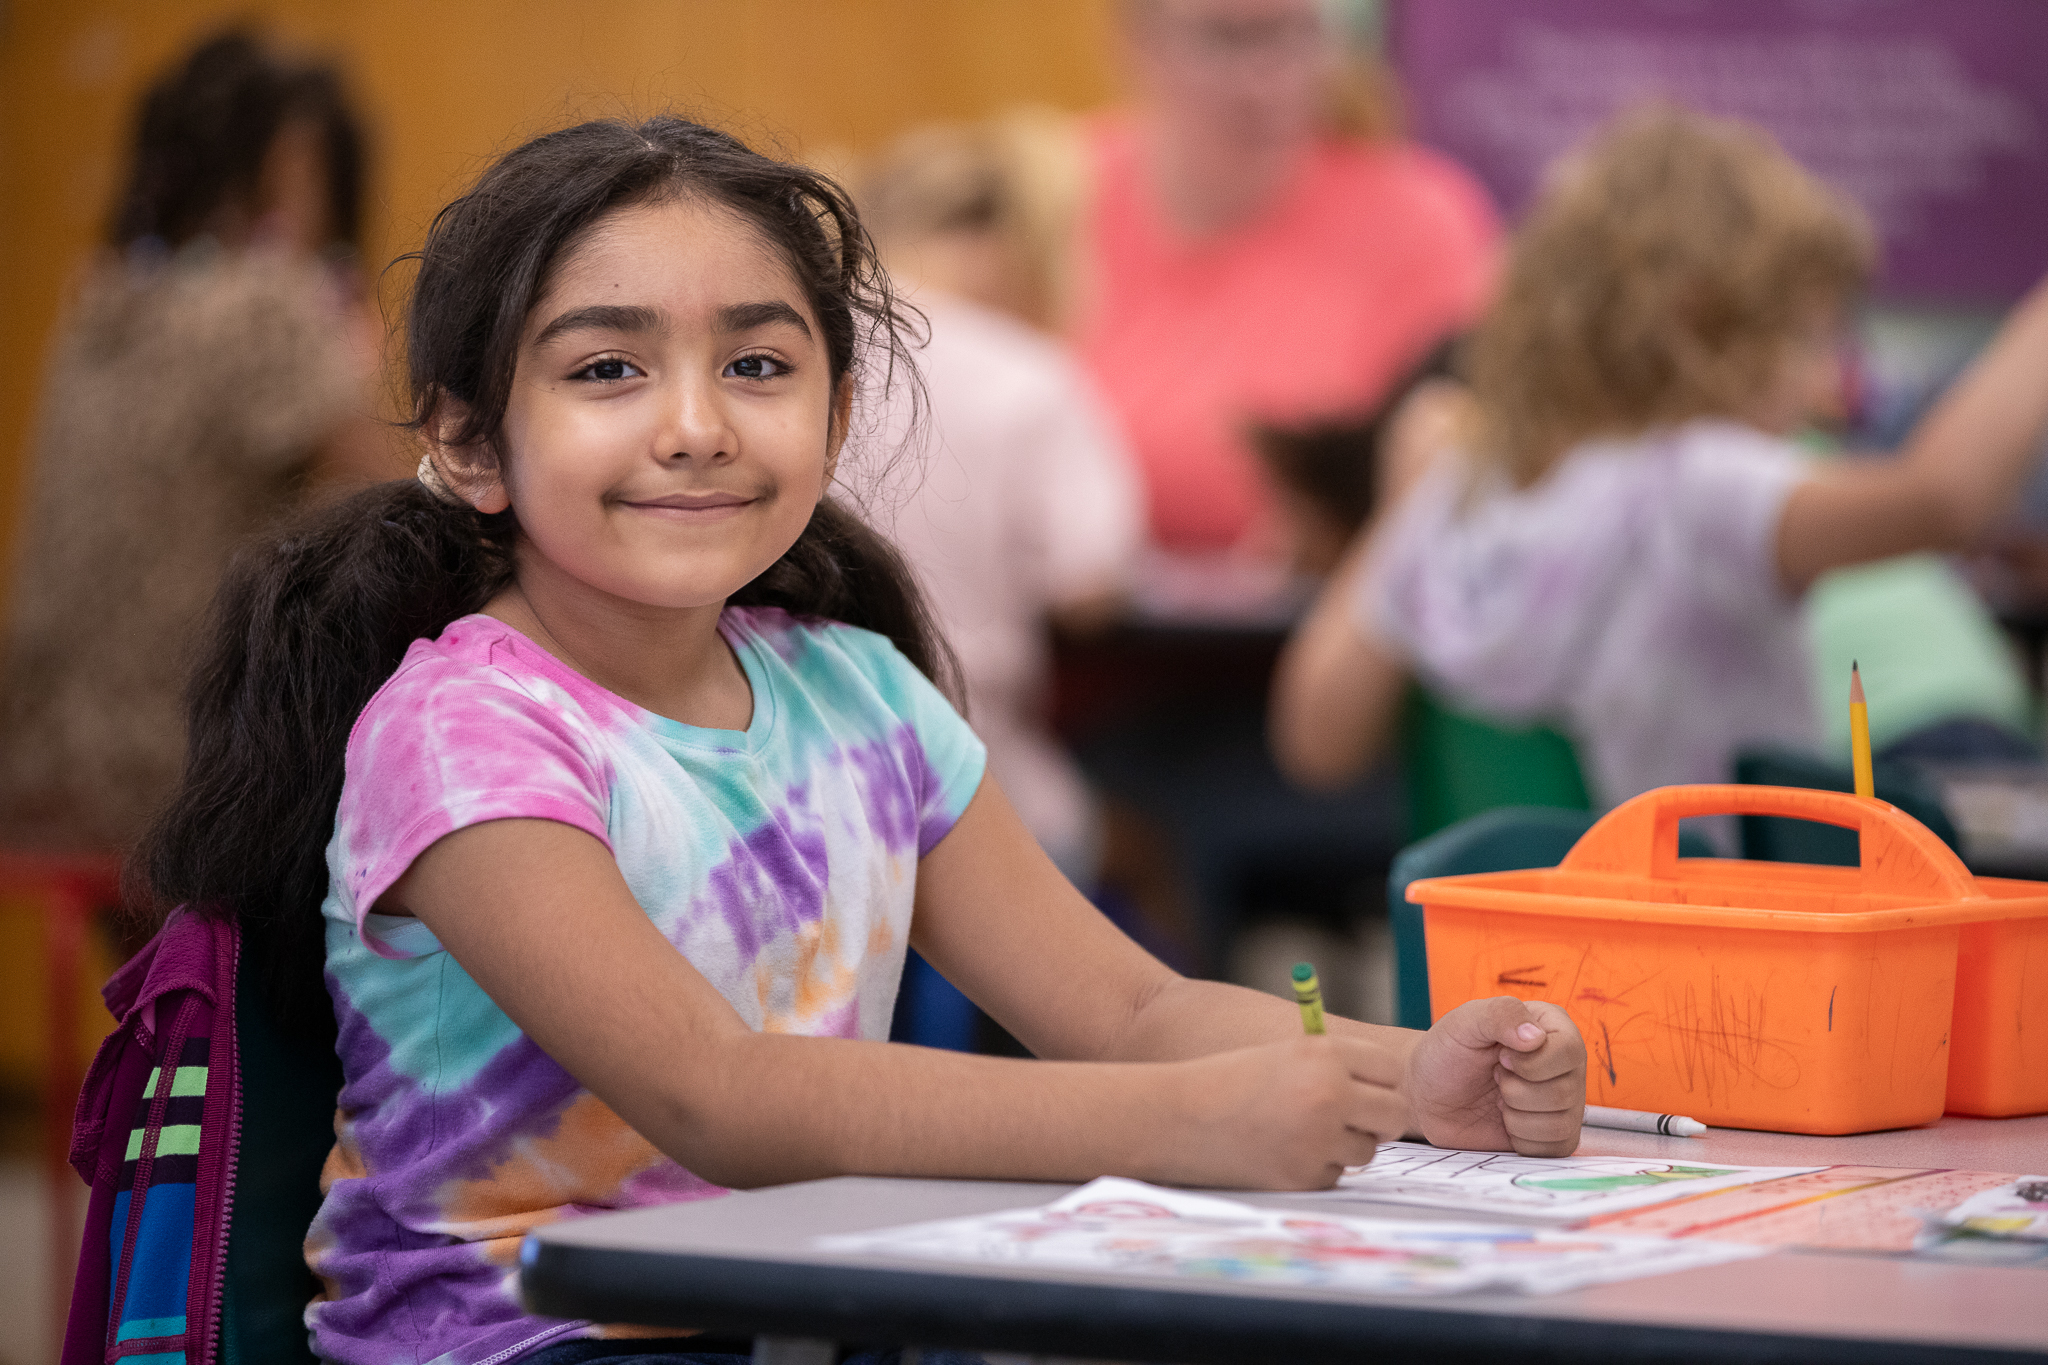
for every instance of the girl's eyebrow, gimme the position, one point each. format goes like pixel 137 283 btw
pixel 603 317
pixel 615 317
pixel 744 317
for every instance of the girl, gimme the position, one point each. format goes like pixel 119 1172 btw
pixel 638 785
pixel 1624 541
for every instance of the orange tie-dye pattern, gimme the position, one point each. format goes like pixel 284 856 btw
pixel 583 1163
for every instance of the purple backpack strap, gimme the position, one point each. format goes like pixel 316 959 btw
pixel 155 1136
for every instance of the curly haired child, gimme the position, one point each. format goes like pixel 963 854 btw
pixel 1621 540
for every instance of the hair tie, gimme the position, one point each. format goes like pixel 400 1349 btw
pixel 429 475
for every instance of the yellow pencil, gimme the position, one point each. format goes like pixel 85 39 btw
pixel 1859 734
pixel 1308 993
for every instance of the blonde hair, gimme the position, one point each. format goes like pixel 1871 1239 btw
pixel 1020 175
pixel 1657 280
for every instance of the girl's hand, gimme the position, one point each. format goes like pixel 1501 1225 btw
pixel 1286 1116
pixel 1500 1074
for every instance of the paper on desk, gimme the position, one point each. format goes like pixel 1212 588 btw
pixel 2018 1210
pixel 1563 1189
pixel 1130 1227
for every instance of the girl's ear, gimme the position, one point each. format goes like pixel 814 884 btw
pixel 473 472
pixel 842 418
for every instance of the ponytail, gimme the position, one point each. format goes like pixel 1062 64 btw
pixel 307 625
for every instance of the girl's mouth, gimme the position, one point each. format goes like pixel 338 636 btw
pixel 692 507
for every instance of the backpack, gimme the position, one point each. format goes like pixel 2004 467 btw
pixel 174 1266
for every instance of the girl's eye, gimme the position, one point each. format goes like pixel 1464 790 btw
pixel 756 367
pixel 608 371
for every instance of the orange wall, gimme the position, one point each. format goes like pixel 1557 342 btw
pixel 446 82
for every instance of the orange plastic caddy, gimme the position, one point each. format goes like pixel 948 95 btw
pixel 1766 995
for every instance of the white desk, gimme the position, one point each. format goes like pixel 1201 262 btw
pixel 745 1265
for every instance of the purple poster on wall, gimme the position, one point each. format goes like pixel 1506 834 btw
pixel 1933 114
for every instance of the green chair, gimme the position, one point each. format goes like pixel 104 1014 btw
pixel 1775 839
pixel 288 1097
pixel 1504 840
pixel 1458 765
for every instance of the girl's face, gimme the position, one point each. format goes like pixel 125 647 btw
pixel 673 420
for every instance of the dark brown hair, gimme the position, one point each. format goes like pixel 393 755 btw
pixel 311 621
pixel 1333 463
pixel 203 130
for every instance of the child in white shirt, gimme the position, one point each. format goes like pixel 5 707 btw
pixel 1621 541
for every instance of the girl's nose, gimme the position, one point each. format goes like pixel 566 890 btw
pixel 695 426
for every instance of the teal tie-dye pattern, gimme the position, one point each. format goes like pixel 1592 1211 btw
pixel 780 861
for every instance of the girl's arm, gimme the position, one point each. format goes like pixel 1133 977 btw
pixel 1959 472
pixel 997 918
pixel 539 916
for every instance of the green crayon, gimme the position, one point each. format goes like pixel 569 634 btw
pixel 1308 993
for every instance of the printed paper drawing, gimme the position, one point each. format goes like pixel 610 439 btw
pixel 2018 1210
pixel 1561 1188
pixel 1126 1227
pixel 1838 1208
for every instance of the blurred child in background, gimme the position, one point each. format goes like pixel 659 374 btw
pixel 1026 508
pixel 1623 541
pixel 215 354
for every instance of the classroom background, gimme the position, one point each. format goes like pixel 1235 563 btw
pixel 1130 688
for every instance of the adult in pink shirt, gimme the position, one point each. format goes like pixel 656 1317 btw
pixel 1246 262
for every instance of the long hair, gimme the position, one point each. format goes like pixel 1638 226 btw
pixel 203 129
pixel 1655 282
pixel 312 620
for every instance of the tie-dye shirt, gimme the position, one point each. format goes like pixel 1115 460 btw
pixel 780 861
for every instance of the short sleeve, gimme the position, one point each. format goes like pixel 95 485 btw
pixel 1732 484
pixel 947 758
pixel 954 757
pixel 1459 233
pixel 1494 594
pixel 444 746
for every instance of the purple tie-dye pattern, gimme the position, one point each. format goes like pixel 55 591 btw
pixel 892 787
pixel 774 883
pixel 798 913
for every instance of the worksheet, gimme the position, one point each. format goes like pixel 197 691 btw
pixel 1128 1227
pixel 2018 1210
pixel 1564 1189
pixel 1837 1208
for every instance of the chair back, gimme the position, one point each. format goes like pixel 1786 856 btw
pixel 1775 839
pixel 1458 765
pixel 289 1089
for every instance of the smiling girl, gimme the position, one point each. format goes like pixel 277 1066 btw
pixel 638 785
